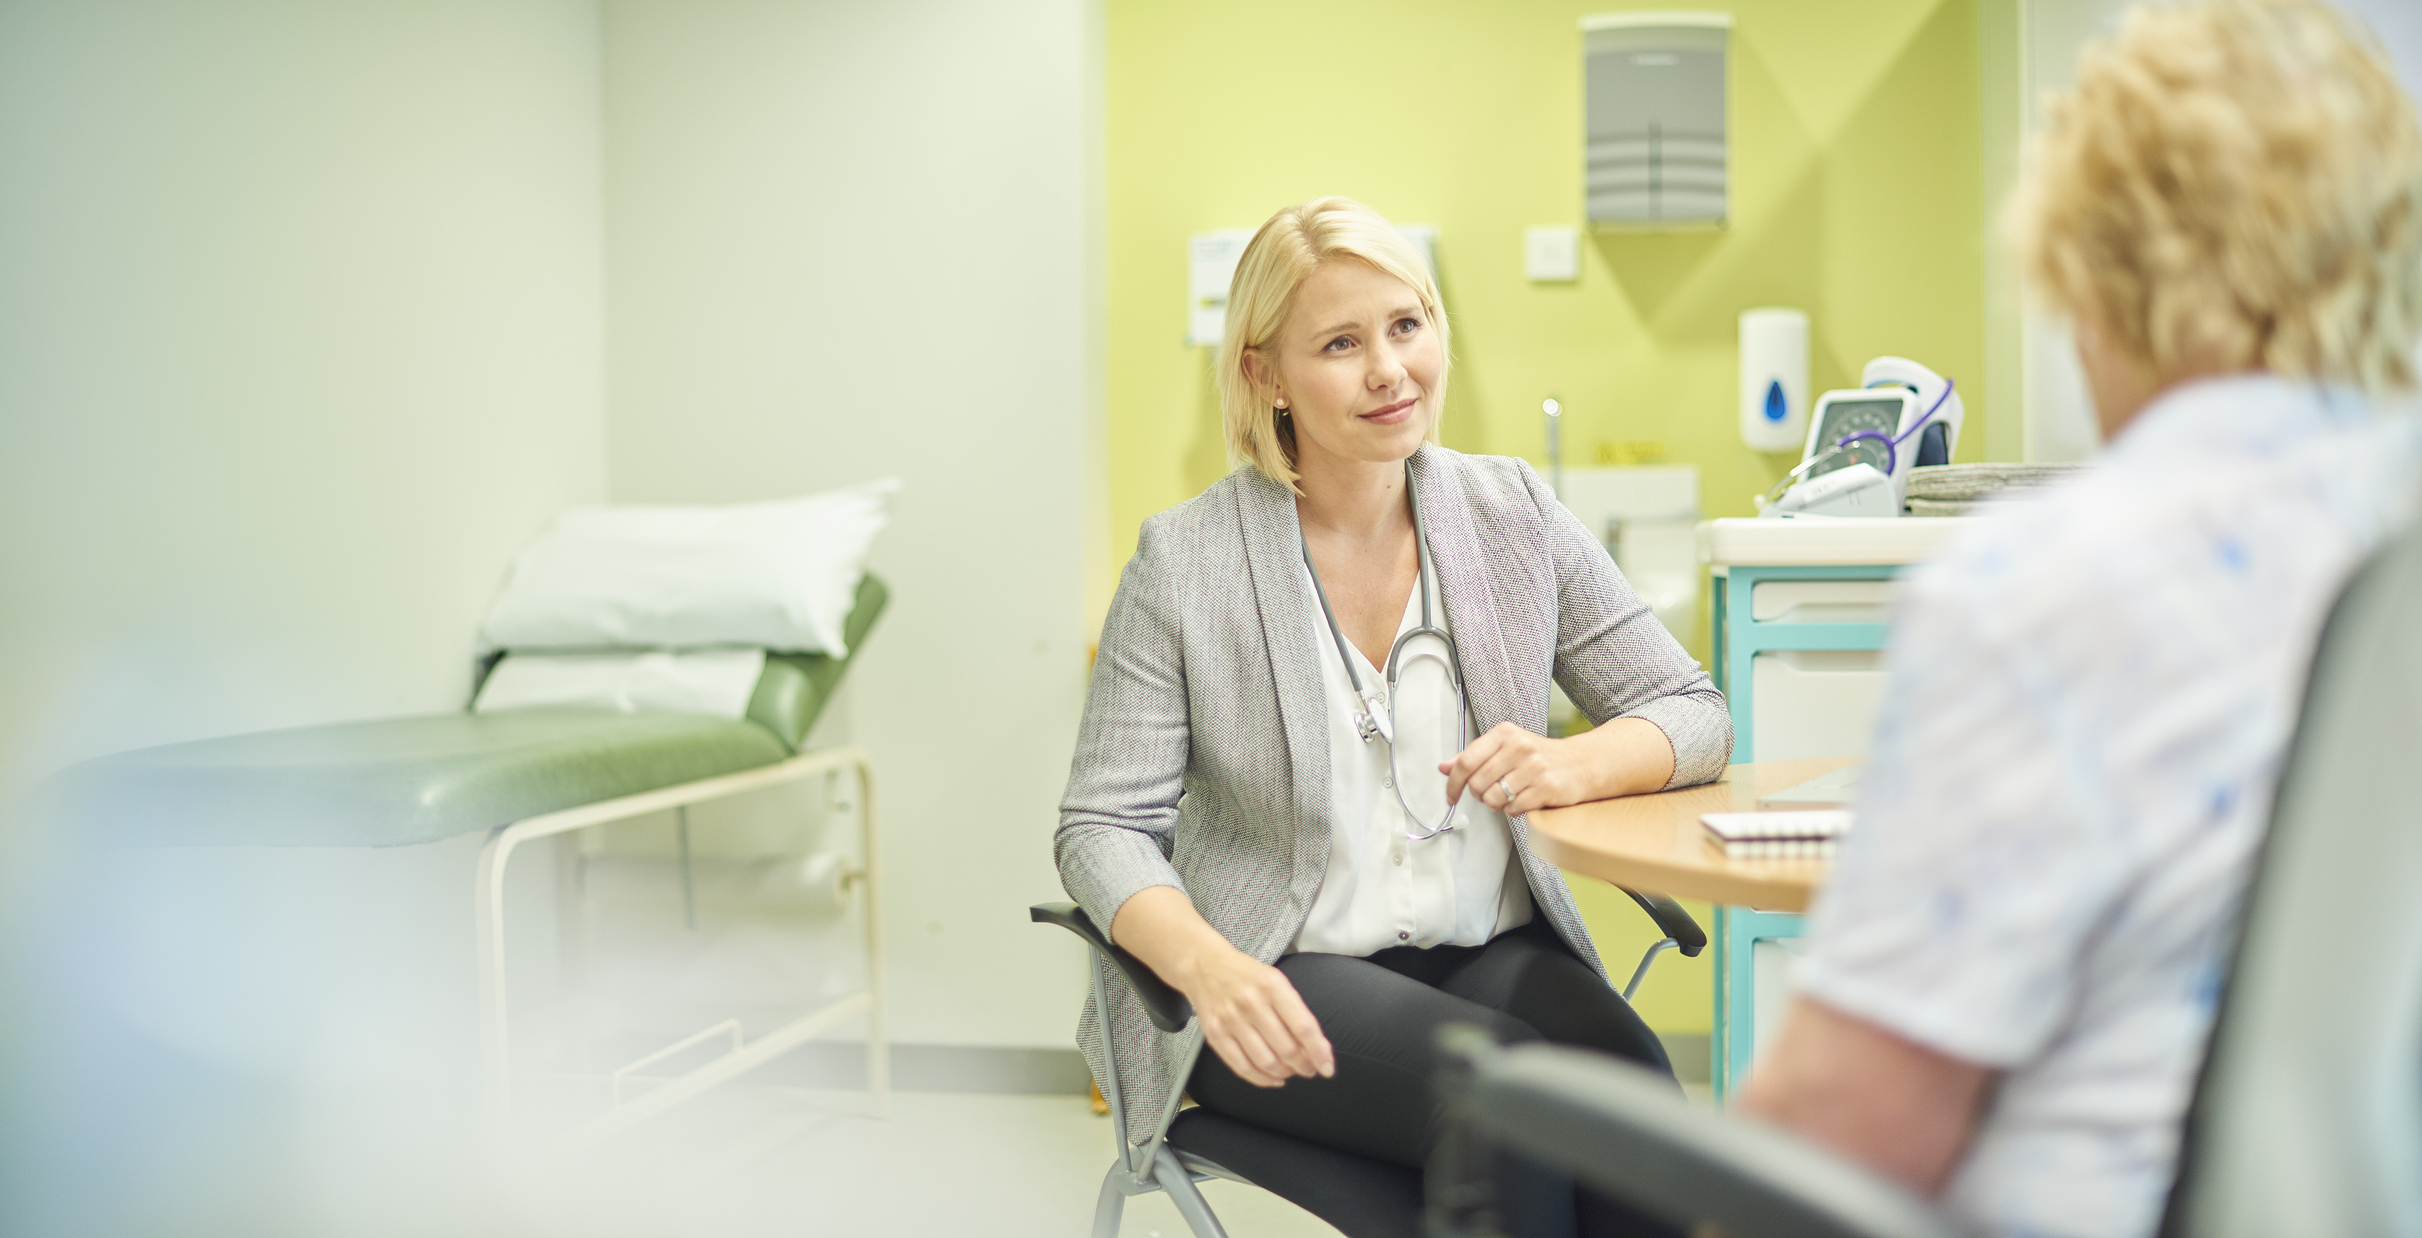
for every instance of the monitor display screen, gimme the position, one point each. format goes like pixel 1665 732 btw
pixel 1842 417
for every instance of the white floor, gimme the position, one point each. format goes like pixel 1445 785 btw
pixel 746 1161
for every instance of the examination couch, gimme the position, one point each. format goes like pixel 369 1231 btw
pixel 514 776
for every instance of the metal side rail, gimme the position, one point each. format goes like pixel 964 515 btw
pixel 744 1055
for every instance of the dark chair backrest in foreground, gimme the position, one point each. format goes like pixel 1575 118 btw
pixel 2307 1118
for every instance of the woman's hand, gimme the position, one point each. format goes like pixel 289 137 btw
pixel 1256 1022
pixel 1516 771
pixel 1537 771
pixel 1251 1014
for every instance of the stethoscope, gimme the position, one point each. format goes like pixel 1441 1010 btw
pixel 1428 642
pixel 1891 442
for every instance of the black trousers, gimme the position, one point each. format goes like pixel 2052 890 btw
pixel 1382 1015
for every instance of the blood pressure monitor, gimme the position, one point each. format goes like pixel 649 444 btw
pixel 1894 397
pixel 1839 414
pixel 1904 415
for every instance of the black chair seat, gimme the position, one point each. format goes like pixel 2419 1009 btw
pixel 1362 1197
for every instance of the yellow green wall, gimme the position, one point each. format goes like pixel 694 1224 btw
pixel 1856 176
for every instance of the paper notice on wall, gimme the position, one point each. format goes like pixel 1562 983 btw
pixel 1210 268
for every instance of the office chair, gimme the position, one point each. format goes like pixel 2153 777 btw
pixel 2307 1117
pixel 1362 1197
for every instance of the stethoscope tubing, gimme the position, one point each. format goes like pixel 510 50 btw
pixel 1892 444
pixel 1369 721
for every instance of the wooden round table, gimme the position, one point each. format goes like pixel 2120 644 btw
pixel 1654 843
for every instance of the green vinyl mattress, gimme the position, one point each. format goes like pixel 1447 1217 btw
pixel 400 781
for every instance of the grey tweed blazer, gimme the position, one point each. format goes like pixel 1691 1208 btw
pixel 1203 759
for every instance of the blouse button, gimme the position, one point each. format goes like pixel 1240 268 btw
pixel 1404 936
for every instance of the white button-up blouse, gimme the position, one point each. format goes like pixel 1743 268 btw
pixel 1382 889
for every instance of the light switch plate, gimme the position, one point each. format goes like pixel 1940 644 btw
pixel 1552 254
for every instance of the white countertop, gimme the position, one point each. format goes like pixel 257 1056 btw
pixel 1825 540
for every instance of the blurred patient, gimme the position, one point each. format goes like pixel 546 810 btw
pixel 2010 978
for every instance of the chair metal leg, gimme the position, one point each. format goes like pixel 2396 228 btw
pixel 1152 1165
pixel 1113 1202
pixel 1190 1204
pixel 1640 973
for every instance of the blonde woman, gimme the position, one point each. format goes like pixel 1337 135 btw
pixel 1272 820
pixel 2012 973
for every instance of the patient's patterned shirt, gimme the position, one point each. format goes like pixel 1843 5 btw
pixel 2091 694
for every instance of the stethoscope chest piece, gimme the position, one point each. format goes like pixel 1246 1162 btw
pixel 1426 691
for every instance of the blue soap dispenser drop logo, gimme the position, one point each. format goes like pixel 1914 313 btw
pixel 1771 403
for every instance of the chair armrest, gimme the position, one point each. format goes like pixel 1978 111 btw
pixel 1169 1008
pixel 1672 921
pixel 1627 1132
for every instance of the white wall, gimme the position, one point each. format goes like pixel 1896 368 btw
pixel 2001 60
pixel 2059 422
pixel 2398 23
pixel 301 337
pixel 850 240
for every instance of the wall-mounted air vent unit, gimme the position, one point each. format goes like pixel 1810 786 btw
pixel 1654 119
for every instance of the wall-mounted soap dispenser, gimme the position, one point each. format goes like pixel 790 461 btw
pixel 1774 379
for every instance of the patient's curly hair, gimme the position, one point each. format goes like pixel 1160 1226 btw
pixel 2234 185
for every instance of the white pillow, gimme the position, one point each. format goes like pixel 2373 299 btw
pixel 706 681
pixel 779 575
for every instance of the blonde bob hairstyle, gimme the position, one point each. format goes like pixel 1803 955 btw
pixel 2233 185
pixel 1282 255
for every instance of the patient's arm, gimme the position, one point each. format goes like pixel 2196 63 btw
pixel 1890 1103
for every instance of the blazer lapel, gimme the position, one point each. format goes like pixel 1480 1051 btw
pixel 1471 602
pixel 1283 603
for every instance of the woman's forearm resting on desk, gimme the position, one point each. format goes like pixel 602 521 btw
pixel 1887 1102
pixel 1251 1015
pixel 1626 756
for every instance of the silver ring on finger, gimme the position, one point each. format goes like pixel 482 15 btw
pixel 1506 791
